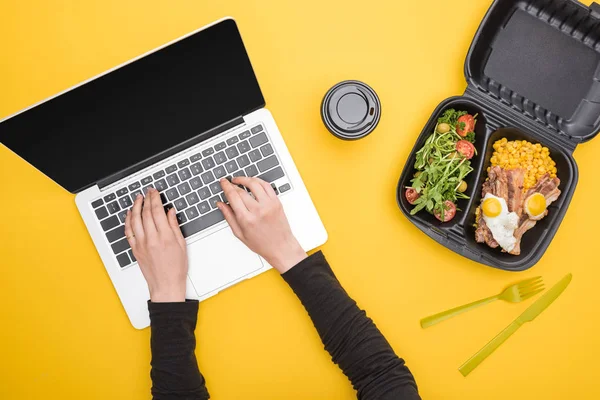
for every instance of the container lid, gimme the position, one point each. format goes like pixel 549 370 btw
pixel 351 110
pixel 542 58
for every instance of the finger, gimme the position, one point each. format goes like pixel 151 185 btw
pixel 147 218
pixel 254 185
pixel 233 196
pixel 268 188
pixel 249 201
pixel 174 224
pixel 231 219
pixel 136 219
pixel 158 212
pixel 129 231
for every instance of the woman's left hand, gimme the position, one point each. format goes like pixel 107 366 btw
pixel 159 247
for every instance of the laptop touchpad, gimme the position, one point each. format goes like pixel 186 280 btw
pixel 218 260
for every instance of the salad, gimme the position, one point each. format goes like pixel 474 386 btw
pixel 442 165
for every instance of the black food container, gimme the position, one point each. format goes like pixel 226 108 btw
pixel 533 73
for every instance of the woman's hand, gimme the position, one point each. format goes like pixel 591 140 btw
pixel 260 223
pixel 159 247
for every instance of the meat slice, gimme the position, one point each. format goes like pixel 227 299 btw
pixel 514 200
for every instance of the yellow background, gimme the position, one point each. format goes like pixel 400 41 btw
pixel 63 332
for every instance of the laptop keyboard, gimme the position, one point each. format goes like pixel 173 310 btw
pixel 191 186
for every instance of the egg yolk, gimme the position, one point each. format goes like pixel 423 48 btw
pixel 536 204
pixel 491 207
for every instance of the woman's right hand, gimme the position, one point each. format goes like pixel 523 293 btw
pixel 260 222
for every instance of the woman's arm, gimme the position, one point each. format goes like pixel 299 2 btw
pixel 161 252
pixel 351 338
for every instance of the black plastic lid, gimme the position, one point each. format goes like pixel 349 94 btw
pixel 541 58
pixel 351 110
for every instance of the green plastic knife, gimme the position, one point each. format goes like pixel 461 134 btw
pixel 529 315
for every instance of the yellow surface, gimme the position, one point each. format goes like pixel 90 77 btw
pixel 63 332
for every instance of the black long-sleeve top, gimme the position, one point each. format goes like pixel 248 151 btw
pixel 352 339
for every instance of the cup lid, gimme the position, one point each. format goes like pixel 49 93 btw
pixel 351 110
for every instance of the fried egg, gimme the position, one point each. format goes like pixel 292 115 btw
pixel 501 223
pixel 535 206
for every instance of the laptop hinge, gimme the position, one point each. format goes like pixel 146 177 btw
pixel 169 152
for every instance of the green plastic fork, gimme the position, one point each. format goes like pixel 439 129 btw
pixel 514 293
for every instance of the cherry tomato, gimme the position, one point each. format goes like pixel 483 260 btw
pixel 465 148
pixel 469 126
pixel 411 195
pixel 449 211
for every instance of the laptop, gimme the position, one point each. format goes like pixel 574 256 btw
pixel 178 119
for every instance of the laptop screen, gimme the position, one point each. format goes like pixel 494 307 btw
pixel 138 110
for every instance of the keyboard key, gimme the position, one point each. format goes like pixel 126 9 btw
pixel 168 207
pixel 220 157
pixel 203 207
pixel 159 174
pixel 184 188
pixel 183 163
pixel 97 203
pixel 244 146
pixel 181 218
pixel 110 222
pixel 101 213
pixel 231 152
pixel 208 152
pixel 213 201
pixel 216 187
pixel 243 161
pixel 231 166
pixel 163 198
pixel 134 186
pixel 196 169
pixel 192 198
pixel 172 194
pixel 191 213
pixel 196 182
pixel 224 198
pixel 238 173
pixel 146 180
pixel 251 171
pixel 256 129
pixel 258 140
pixel 116 234
pixel 184 174
pixel 204 193
pixel 172 180
pixel 220 146
pixel 207 177
pixel 232 140
pixel 195 157
pixel 254 155
pixel 122 215
pixel 266 150
pixel 180 204
pixel 272 175
pixel 199 224
pixel 135 194
pixel 120 246
pixel 208 163
pixel 274 188
pixel 171 169
pixel 123 260
pixel 284 188
pixel 267 163
pixel 244 135
pixel 122 192
pixel 131 255
pixel 113 207
pixel 219 172
pixel 160 185
pixel 110 197
pixel 146 188
pixel 125 202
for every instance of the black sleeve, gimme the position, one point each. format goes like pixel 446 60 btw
pixel 175 373
pixel 352 339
